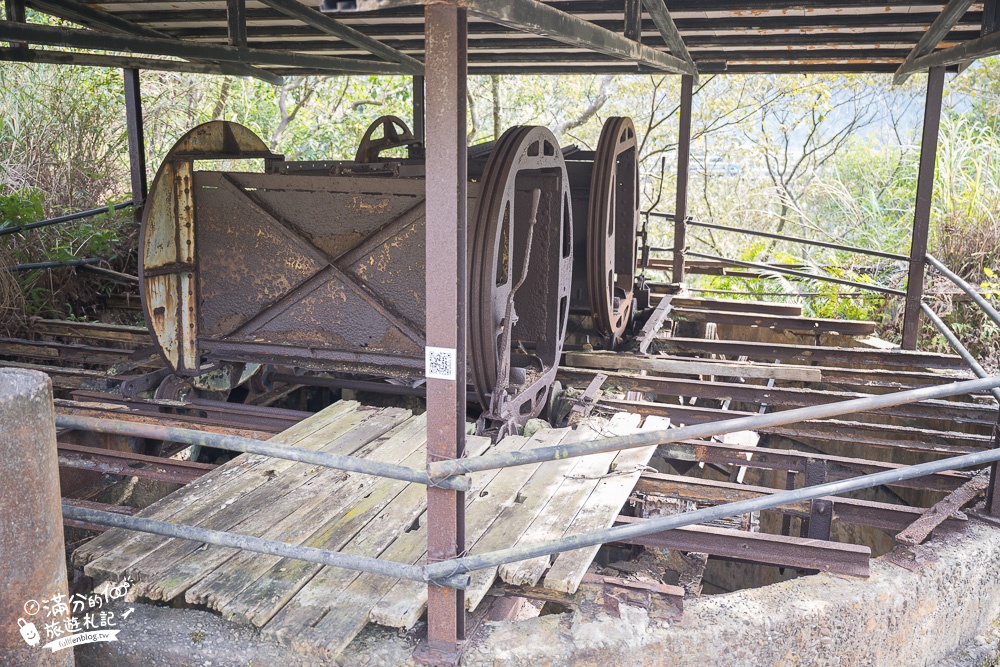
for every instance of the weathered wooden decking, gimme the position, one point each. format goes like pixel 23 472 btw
pixel 316 607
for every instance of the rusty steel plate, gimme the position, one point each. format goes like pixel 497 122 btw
pixel 326 272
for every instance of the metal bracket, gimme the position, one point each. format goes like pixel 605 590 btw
pixel 439 656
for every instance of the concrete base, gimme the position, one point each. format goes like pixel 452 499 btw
pixel 947 613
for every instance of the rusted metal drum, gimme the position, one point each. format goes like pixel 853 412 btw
pixel 31 529
pixel 605 186
pixel 321 265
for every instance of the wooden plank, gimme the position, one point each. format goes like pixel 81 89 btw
pixel 263 492
pixel 117 549
pixel 118 333
pixel 335 605
pixel 777 322
pixel 934 516
pixel 405 603
pixel 851 357
pixel 574 489
pixel 257 600
pixel 511 523
pixel 653 324
pixel 741 306
pixel 321 597
pixel 247 474
pixel 290 518
pixel 73 354
pixel 166 507
pixel 618 361
pixel 600 511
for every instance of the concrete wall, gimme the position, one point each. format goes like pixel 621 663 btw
pixel 897 618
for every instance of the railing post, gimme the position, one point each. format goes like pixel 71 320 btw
pixel 136 140
pixel 683 159
pixel 31 528
pixel 922 207
pixel 418 108
pixel 446 56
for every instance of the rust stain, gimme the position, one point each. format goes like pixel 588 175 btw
pixel 381 206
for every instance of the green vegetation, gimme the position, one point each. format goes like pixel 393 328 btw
pixel 830 158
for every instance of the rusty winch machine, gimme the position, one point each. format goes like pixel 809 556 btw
pixel 318 267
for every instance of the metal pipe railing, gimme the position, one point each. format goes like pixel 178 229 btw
pixel 55 265
pixel 64 218
pixel 451 572
pixel 236 443
pixel 781 237
pixel 967 288
pixel 248 543
pixel 797 239
pixel 957 345
pixel 443 469
pixel 800 274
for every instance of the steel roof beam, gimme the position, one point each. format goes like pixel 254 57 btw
pixel 973 50
pixel 333 27
pixel 946 20
pixel 88 16
pixel 668 29
pixel 533 17
pixel 90 39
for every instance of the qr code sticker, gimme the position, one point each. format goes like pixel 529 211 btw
pixel 440 362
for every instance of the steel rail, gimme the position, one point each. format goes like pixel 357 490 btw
pixel 236 443
pixel 443 469
pixel 247 543
pixel 798 239
pixel 800 274
pixel 64 218
pixel 967 288
pixel 956 344
pixel 452 572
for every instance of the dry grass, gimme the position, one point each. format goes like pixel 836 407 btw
pixel 12 316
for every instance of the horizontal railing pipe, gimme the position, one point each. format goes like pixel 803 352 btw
pixel 443 469
pixel 64 218
pixel 452 572
pixel 967 288
pixel 800 274
pixel 956 344
pixel 236 443
pixel 248 543
pixel 797 239
pixel 55 265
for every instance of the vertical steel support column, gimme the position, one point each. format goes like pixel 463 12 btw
pixel 922 208
pixel 418 109
pixel 14 10
pixel 31 528
pixel 993 491
pixel 236 22
pixel 683 158
pixel 633 19
pixel 447 294
pixel 136 140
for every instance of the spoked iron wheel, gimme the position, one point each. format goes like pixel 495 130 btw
pixel 613 219
pixel 518 311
